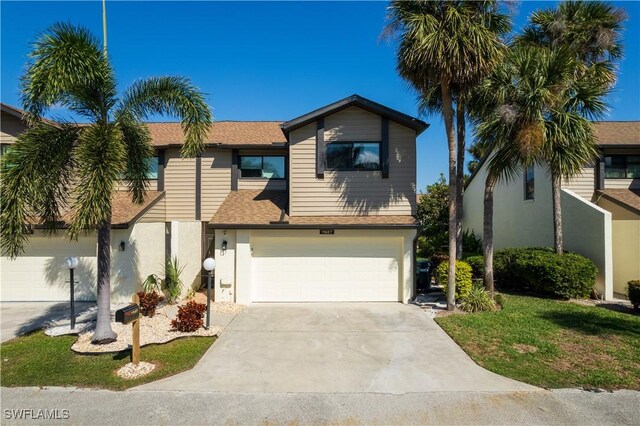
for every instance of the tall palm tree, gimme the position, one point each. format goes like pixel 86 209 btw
pixel 525 115
pixel 447 45
pixel 53 168
pixel 591 32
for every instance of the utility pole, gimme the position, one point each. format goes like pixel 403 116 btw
pixel 104 27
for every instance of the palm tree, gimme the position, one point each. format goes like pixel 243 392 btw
pixel 527 113
pixel 447 45
pixel 591 32
pixel 53 168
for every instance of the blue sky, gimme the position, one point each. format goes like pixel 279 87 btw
pixel 268 60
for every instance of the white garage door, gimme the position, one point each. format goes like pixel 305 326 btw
pixel 325 269
pixel 41 275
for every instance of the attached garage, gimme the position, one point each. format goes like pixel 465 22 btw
pixel 40 273
pixel 326 269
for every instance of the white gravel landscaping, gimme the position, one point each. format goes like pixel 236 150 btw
pixel 152 330
pixel 131 371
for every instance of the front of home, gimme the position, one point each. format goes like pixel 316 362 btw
pixel 600 208
pixel 318 208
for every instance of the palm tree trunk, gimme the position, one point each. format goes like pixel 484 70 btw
pixel 103 333
pixel 487 234
pixel 556 189
pixel 447 112
pixel 460 121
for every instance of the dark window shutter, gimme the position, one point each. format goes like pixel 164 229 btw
pixel 384 148
pixel 320 149
pixel 234 169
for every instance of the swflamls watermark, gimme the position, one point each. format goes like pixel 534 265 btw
pixel 35 414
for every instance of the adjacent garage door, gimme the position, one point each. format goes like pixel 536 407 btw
pixel 41 275
pixel 323 269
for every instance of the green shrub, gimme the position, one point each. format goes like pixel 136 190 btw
pixel 633 290
pixel 565 276
pixel 471 243
pixel 463 277
pixel 477 265
pixel 499 299
pixel 477 300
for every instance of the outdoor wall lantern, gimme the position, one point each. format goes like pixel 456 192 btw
pixel 224 246
pixel 72 263
pixel 209 265
pixel 122 245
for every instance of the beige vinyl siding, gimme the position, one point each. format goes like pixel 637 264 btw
pixel 256 183
pixel 216 180
pixel 622 184
pixel 350 192
pixel 157 213
pixel 582 184
pixel 10 128
pixel 180 186
pixel 352 124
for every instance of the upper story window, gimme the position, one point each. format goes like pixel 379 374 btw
pixel 353 155
pixel 622 166
pixel 262 166
pixel 153 168
pixel 529 184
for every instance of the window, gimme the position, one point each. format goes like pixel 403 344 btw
pixel 529 184
pixel 622 167
pixel 262 166
pixel 153 168
pixel 353 156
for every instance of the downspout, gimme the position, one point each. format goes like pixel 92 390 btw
pixel 415 266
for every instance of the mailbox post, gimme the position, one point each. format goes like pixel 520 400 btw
pixel 209 265
pixel 130 314
pixel 72 263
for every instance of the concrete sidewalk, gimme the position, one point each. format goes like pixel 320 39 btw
pixel 94 407
pixel 386 348
pixel 18 318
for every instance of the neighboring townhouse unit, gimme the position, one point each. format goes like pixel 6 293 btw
pixel 318 208
pixel 600 208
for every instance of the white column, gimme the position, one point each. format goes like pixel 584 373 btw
pixel 243 267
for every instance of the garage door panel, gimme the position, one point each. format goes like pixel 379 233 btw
pixel 39 276
pixel 325 269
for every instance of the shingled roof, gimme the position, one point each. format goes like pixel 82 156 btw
pixel 627 198
pixel 251 133
pixel 266 208
pixel 617 133
pixel 123 210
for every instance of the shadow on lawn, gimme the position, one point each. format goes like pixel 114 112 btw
pixel 594 323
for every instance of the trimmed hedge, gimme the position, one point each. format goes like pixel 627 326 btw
pixel 477 266
pixel 542 271
pixel 463 277
pixel 633 289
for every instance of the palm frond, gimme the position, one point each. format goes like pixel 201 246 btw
pixel 37 175
pixel 101 162
pixel 172 96
pixel 68 67
pixel 137 142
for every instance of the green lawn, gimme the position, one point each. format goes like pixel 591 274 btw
pixel 39 360
pixel 552 343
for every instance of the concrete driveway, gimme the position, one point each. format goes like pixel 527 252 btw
pixel 18 318
pixel 335 348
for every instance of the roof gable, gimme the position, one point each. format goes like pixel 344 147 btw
pixel 355 100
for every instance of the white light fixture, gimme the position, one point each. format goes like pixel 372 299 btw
pixel 209 264
pixel 71 262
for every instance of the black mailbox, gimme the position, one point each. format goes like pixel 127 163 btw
pixel 128 314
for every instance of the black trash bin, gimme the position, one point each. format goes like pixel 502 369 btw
pixel 425 269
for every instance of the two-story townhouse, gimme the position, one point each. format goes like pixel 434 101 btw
pixel 318 208
pixel 600 208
